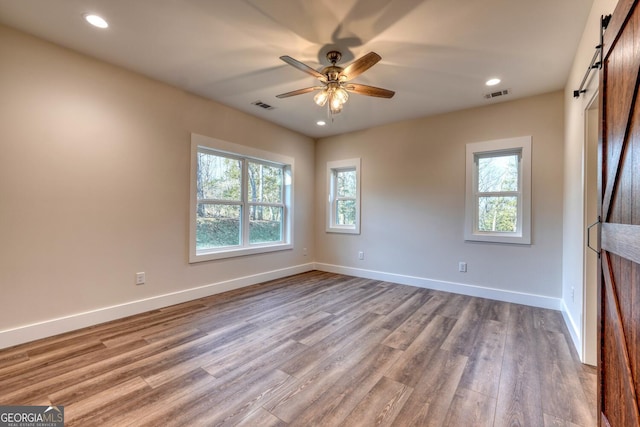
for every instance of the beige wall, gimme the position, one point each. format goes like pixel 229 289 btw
pixel 581 323
pixel 413 183
pixel 94 187
pixel 94 184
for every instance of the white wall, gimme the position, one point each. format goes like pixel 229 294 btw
pixel 94 187
pixel 413 192
pixel 573 232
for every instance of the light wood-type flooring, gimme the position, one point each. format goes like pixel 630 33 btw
pixel 316 349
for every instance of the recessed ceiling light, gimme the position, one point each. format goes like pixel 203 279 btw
pixel 321 123
pixel 492 82
pixel 96 21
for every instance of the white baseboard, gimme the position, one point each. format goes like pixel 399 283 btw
pixel 439 285
pixel 26 333
pixel 574 330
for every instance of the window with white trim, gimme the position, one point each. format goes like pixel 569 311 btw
pixel 240 200
pixel 498 191
pixel 343 198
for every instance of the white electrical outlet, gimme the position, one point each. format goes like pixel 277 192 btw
pixel 140 278
pixel 304 251
pixel 361 255
pixel 462 267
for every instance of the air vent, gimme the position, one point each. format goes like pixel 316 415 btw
pixel 263 105
pixel 496 94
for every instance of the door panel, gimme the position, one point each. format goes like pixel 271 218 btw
pixel 619 189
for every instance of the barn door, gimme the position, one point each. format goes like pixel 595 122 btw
pixel 619 271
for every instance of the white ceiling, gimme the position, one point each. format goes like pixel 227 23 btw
pixel 436 54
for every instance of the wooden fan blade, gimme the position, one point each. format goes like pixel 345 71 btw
pixel 303 67
pixel 360 65
pixel 369 90
pixel 298 92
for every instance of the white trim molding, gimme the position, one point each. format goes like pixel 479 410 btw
pixel 51 327
pixel 533 300
pixel 333 168
pixel 520 146
pixel 48 328
pixel 574 330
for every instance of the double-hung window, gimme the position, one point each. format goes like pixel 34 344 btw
pixel 343 201
pixel 241 200
pixel 498 191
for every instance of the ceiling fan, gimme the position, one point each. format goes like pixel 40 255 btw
pixel 336 80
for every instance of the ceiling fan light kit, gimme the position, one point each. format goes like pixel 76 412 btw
pixel 335 89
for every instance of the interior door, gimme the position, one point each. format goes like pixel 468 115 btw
pixel 619 190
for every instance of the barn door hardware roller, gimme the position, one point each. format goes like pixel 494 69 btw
pixel 596 61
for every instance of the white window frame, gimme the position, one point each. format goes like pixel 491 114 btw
pixel 248 153
pixel 332 168
pixel 522 146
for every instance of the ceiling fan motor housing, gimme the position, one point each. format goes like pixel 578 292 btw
pixel 334 56
pixel 332 72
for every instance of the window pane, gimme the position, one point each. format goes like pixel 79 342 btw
pixel 218 177
pixel 265 183
pixel 498 173
pixel 346 183
pixel 265 224
pixel 497 214
pixel 345 212
pixel 217 226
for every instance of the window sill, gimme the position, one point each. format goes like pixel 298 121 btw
pixel 343 230
pixel 514 239
pixel 210 255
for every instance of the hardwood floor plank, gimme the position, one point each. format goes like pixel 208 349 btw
pixel 11 359
pixel 549 321
pixel 86 407
pixel 55 381
pixel 360 301
pixel 398 316
pixel 267 358
pixel 388 301
pixel 209 400
pixel 451 304
pixel 93 383
pixel 261 417
pixel 471 409
pixel 226 407
pixel 312 335
pixel 380 406
pixel 293 400
pixel 498 311
pixel 519 394
pixel 420 353
pixel 337 402
pixel 589 382
pixel 57 356
pixel 404 334
pixel 301 364
pixel 551 421
pixel 560 380
pixel 132 409
pixel 314 349
pixel 462 338
pixel 482 373
pixel 433 392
